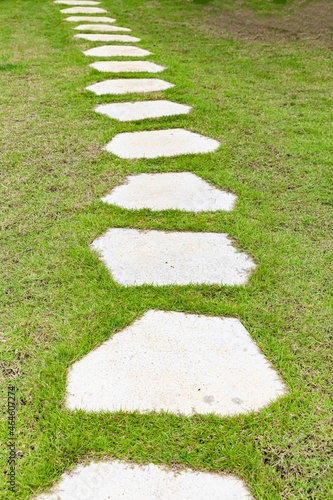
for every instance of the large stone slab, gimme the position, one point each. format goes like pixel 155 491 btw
pixel 107 38
pixel 127 67
pixel 156 143
pixel 180 363
pixel 116 51
pixel 83 10
pixel 100 27
pixel 129 86
pixel 77 2
pixel 175 258
pixel 169 191
pixel 92 19
pixel 116 480
pixel 129 111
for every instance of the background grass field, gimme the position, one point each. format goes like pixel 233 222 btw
pixel 259 77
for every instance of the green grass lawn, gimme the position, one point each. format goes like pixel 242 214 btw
pixel 268 100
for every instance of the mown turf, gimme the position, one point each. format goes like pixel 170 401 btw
pixel 269 103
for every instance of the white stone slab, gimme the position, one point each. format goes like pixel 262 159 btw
pixel 83 10
pixel 92 19
pixel 180 363
pixel 170 191
pixel 116 480
pixel 107 38
pixel 156 143
pixel 116 51
pixel 175 258
pixel 128 86
pixel 77 2
pixel 100 27
pixel 129 111
pixel 127 67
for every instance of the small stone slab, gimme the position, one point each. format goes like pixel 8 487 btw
pixel 175 258
pixel 157 143
pixel 130 111
pixel 83 10
pixel 77 2
pixel 129 86
pixel 179 363
pixel 107 38
pixel 79 19
pixel 119 480
pixel 116 51
pixel 100 27
pixel 169 191
pixel 127 67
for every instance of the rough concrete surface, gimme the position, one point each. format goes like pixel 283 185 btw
pixel 157 143
pixel 115 480
pixel 180 363
pixel 171 190
pixel 175 258
pixel 129 86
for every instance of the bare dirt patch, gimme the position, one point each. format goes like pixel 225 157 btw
pixel 310 22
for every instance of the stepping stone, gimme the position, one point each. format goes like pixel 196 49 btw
pixel 175 258
pixel 169 191
pixel 127 67
pixel 79 19
pixel 99 27
pixel 115 480
pixel 156 143
pixel 179 363
pixel 129 111
pixel 107 38
pixel 129 86
pixel 83 10
pixel 116 51
pixel 77 2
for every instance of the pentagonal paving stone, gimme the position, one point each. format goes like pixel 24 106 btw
pixel 175 258
pixel 77 2
pixel 175 362
pixel 156 143
pixel 127 67
pixel 100 27
pixel 107 38
pixel 83 10
pixel 115 480
pixel 79 19
pixel 116 51
pixel 129 111
pixel 178 191
pixel 128 86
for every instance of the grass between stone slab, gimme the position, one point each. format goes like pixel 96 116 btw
pixel 269 103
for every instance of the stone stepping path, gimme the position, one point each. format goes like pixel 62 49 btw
pixel 107 38
pixel 130 111
pixel 77 2
pixel 127 67
pixel 100 27
pixel 169 191
pixel 116 51
pixel 175 362
pixel 172 258
pixel 117 480
pixel 165 361
pixel 157 143
pixel 83 10
pixel 128 86
pixel 79 19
